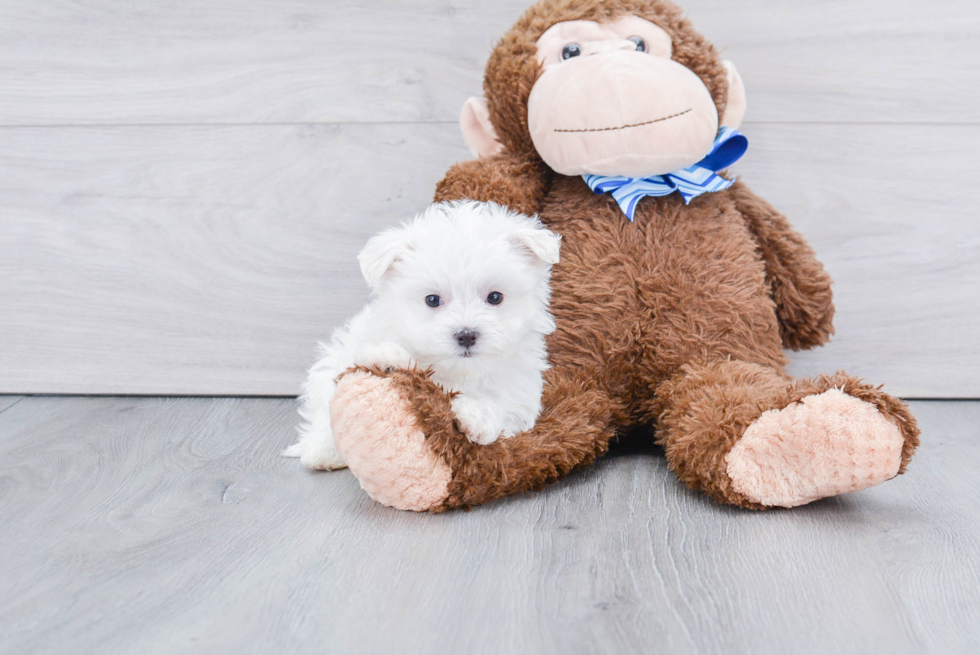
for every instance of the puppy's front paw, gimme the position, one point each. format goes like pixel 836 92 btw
pixel 386 356
pixel 322 459
pixel 476 420
pixel 317 456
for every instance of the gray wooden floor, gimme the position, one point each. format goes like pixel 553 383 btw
pixel 172 526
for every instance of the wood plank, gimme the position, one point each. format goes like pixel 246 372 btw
pixel 210 266
pixel 158 526
pixel 209 260
pixel 234 61
pixel 858 61
pixel 930 542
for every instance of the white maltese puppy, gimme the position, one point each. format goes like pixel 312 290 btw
pixel 462 289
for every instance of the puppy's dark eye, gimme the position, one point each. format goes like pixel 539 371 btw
pixel 641 46
pixel 433 300
pixel 495 298
pixel 571 50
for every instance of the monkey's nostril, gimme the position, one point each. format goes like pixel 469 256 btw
pixel 467 338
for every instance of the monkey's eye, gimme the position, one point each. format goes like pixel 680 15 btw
pixel 641 46
pixel 433 300
pixel 495 298
pixel 571 50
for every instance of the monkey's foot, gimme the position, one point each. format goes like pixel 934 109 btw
pixel 378 435
pixel 397 432
pixel 827 444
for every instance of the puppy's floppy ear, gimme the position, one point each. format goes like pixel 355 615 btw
pixel 542 242
pixel 381 251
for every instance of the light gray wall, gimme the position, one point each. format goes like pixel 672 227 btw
pixel 183 186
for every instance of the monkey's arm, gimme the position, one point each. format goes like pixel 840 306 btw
pixel 798 282
pixel 501 178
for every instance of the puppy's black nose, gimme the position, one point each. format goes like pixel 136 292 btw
pixel 467 338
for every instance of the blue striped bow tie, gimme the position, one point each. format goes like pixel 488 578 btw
pixel 690 182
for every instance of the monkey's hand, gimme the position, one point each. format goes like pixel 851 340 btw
pixel 798 282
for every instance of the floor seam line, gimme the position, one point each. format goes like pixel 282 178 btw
pixel 19 401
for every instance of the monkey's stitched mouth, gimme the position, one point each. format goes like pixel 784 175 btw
pixel 623 127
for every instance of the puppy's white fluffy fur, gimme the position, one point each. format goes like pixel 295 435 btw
pixel 462 253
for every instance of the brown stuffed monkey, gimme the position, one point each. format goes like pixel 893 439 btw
pixel 672 310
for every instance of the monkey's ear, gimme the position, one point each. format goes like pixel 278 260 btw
pixel 478 132
pixel 381 251
pixel 735 109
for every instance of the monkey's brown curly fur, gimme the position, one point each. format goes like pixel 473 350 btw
pixel 676 321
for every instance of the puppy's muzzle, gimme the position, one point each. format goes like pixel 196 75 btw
pixel 467 338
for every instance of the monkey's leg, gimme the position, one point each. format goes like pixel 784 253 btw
pixel 397 434
pixel 749 436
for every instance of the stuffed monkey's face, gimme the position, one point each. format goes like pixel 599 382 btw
pixel 611 101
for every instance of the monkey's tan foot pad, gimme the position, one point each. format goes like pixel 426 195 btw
pixel 827 444
pixel 376 433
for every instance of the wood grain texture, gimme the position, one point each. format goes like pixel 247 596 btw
pixel 161 526
pixel 209 260
pixel 194 260
pixel 301 61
